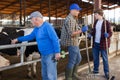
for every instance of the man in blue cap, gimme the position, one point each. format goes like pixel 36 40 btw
pixel 69 37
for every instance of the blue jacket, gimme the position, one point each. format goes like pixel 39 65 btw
pixel 46 37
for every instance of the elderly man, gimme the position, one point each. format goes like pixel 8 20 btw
pixel 69 38
pixel 48 45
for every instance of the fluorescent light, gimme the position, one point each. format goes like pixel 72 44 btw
pixel 91 2
pixel 105 5
pixel 113 6
pixel 110 6
pixel 85 0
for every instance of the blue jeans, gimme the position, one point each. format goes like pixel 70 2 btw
pixel 49 67
pixel 74 56
pixel 96 56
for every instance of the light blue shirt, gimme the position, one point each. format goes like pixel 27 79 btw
pixel 46 37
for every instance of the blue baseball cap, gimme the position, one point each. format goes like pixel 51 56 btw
pixel 75 6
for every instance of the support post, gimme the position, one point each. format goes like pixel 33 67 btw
pixel 20 12
pixel 97 4
pixel 68 4
pixel 49 2
pixel 24 11
pixel 40 5
pixel 56 13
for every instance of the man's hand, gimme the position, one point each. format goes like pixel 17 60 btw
pixel 76 33
pixel 14 41
pixel 57 56
pixel 84 28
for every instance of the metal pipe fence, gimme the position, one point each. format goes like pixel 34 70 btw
pixel 23 45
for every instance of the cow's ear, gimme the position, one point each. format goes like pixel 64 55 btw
pixel 20 33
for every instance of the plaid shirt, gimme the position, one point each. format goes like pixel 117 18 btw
pixel 70 25
pixel 102 39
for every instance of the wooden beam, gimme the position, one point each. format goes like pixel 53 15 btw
pixel 36 2
pixel 53 9
pixel 47 6
pixel 9 5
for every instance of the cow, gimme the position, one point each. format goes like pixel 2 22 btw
pixel 4 61
pixel 31 52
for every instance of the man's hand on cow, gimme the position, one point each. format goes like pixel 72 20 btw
pixel 14 41
pixel 57 56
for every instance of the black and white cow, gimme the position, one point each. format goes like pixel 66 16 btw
pixel 31 52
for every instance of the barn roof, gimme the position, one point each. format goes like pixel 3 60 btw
pixel 54 8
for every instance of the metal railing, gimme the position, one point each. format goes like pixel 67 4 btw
pixel 22 45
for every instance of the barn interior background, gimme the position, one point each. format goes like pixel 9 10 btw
pixel 14 20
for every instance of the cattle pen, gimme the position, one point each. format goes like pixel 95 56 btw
pixel 114 51
pixel 14 22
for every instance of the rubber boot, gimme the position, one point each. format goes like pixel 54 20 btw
pixel 68 74
pixel 75 73
pixel 107 75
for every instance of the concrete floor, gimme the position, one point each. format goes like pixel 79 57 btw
pixel 114 65
pixel 20 72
